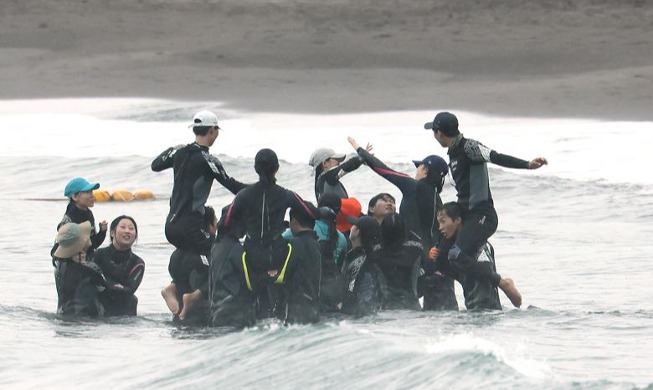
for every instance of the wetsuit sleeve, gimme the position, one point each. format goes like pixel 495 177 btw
pixel 508 161
pixel 297 203
pixel 334 174
pixel 97 239
pixel 233 211
pixel 135 275
pixel 400 180
pixel 164 160
pixel 220 175
pixel 479 153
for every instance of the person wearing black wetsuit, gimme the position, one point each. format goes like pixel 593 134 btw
pixel 194 171
pixel 363 277
pixel 468 160
pixel 78 279
pixel 328 167
pixel 80 195
pixel 123 269
pixel 301 291
pixel 478 290
pixel 419 206
pixel 400 259
pixel 261 209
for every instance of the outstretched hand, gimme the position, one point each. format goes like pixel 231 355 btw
pixel 353 142
pixel 537 163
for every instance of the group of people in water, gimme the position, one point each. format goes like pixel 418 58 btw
pixel 249 263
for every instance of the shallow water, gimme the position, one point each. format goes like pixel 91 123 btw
pixel 575 236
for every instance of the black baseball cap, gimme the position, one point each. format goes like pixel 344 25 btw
pixel 445 122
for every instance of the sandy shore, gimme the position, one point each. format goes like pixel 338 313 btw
pixel 577 59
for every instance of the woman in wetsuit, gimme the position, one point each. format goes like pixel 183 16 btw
pixel 122 268
pixel 261 209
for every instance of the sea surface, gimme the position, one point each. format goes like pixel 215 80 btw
pixel 576 236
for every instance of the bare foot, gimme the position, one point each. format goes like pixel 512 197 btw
pixel 169 295
pixel 511 291
pixel 189 300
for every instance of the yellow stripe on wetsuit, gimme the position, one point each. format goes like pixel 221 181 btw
pixel 280 278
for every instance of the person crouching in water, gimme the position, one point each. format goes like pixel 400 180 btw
pixel 300 294
pixel 187 293
pixel 261 209
pixel 122 268
pixel 78 280
pixel 363 278
pixel 399 259
pixel 479 284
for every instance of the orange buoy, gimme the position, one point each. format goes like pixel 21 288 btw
pixel 122 196
pixel 101 195
pixel 143 195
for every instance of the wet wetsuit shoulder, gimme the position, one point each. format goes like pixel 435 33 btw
pixel 329 181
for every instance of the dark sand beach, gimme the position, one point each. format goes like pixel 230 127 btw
pixel 575 59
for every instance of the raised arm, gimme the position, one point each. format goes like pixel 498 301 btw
pixel 400 180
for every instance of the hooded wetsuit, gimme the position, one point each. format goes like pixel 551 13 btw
pixel 194 171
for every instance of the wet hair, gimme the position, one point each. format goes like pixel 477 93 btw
pixel 235 228
pixel 209 216
pixel 116 221
pixel 302 217
pixel 452 210
pixel 369 232
pixel 375 199
pixel 393 231
pixel 266 164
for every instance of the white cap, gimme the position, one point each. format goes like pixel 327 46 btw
pixel 204 118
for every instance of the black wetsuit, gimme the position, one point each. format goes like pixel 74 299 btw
pixel 261 209
pixel 420 203
pixel 302 288
pixel 78 288
pixel 329 181
pixel 77 215
pixel 478 290
pixel 194 172
pixel 365 283
pixel 468 162
pixel 231 302
pixel 400 267
pixel 124 268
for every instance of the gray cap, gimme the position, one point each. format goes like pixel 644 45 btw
pixel 321 155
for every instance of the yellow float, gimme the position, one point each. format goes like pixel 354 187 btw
pixel 122 195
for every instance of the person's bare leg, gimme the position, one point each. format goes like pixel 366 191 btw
pixel 169 295
pixel 508 287
pixel 189 300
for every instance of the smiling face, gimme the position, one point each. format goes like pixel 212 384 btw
pixel 448 226
pixel 124 235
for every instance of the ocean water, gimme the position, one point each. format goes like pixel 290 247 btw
pixel 576 236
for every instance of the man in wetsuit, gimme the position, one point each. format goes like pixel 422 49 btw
pixel 194 171
pixel 468 160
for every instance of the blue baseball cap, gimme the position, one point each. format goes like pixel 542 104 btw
pixel 434 162
pixel 79 184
